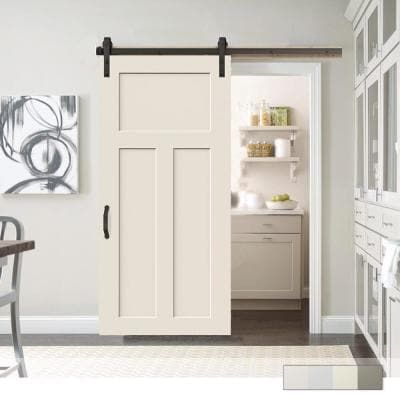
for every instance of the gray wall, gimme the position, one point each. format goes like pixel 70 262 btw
pixel 48 47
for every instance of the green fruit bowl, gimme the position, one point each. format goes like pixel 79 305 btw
pixel 281 205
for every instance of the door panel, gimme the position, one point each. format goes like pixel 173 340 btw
pixel 360 142
pixel 192 233
pixel 166 176
pixel 390 87
pixel 372 128
pixel 137 225
pixel 145 102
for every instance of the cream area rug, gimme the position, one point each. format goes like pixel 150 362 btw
pixel 172 361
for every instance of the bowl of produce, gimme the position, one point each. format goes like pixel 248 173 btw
pixel 281 202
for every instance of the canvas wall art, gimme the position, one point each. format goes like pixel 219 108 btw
pixel 39 144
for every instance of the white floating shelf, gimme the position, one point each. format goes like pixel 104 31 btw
pixel 292 161
pixel 285 128
pixel 272 159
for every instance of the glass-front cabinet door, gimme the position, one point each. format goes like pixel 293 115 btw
pixel 360 142
pixel 359 46
pixel 360 287
pixel 383 339
pixel 372 90
pixel 389 25
pixel 373 35
pixel 373 292
pixel 390 89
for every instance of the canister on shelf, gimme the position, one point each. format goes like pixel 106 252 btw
pixel 280 116
pixel 265 116
pixel 254 114
pixel 282 148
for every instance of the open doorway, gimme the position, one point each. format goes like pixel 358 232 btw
pixel 276 165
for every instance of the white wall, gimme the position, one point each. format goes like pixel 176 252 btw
pixel 270 179
pixel 49 47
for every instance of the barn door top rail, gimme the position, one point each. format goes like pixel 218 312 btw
pixel 107 50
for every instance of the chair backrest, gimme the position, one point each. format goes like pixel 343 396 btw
pixel 4 221
pixel 19 235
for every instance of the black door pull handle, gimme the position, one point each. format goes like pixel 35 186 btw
pixel 105 222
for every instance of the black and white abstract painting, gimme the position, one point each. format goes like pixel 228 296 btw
pixel 39 144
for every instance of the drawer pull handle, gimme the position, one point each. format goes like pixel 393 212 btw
pixel 370 244
pixel 387 224
pixel 358 236
pixel 358 212
pixel 267 238
pixel 371 216
pixel 267 224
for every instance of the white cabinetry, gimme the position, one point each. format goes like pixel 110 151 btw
pixel 372 90
pixel 376 33
pixel 266 261
pixel 377 172
pixel 393 314
pixel 389 132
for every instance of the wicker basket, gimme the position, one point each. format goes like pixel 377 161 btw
pixel 260 150
pixel 267 150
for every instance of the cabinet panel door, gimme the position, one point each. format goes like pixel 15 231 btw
pixel 360 287
pixel 373 35
pixel 390 12
pixel 372 297
pixel 372 126
pixel 393 312
pixel 390 89
pixel 359 54
pixel 360 142
pixel 383 337
pixel 266 266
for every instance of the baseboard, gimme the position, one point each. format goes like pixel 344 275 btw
pixel 90 324
pixel 261 304
pixel 338 324
pixel 53 325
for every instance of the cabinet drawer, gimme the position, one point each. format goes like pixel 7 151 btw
pixel 266 224
pixel 390 223
pixel 373 244
pixel 373 215
pixel 359 236
pixel 359 212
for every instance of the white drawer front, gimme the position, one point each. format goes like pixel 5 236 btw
pixel 359 212
pixel 390 223
pixel 373 217
pixel 373 244
pixel 360 236
pixel 266 224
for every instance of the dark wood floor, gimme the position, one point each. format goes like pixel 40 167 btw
pixel 256 328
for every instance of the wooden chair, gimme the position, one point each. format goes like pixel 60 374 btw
pixel 10 296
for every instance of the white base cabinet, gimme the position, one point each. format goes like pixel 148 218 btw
pixel 266 257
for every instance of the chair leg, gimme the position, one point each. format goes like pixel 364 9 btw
pixel 16 338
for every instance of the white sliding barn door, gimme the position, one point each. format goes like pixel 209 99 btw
pixel 165 173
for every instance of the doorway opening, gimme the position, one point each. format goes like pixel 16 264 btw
pixel 275 166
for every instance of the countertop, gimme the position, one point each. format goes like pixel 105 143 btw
pixel 266 211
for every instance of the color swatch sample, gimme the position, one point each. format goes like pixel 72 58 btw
pixel 332 377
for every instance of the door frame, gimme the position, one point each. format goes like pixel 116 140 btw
pixel 313 72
